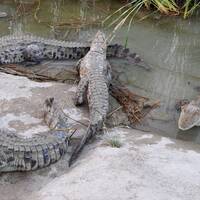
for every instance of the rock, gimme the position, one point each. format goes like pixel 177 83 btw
pixel 3 14
pixel 145 167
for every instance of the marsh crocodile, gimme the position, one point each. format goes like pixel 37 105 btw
pixel 95 76
pixel 190 115
pixel 20 48
pixel 24 154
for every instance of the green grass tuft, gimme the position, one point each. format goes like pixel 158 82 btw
pixel 113 142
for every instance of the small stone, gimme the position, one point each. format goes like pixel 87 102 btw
pixel 3 14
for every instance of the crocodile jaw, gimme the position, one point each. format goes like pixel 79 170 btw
pixel 189 117
pixel 182 126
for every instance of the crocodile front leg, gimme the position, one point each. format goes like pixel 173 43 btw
pixel 108 74
pixel 77 66
pixel 81 91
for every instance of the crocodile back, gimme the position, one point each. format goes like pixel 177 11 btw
pixel 97 94
pixel 13 49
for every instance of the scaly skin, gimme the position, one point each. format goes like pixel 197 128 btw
pixel 22 48
pixel 24 154
pixel 95 74
pixel 190 115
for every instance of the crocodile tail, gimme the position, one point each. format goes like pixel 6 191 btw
pixel 91 131
pixel 118 51
pixel 28 154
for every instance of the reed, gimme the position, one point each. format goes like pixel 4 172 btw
pixel 128 11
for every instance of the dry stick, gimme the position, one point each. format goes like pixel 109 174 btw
pixel 74 119
pixel 72 133
pixel 137 119
pixel 112 112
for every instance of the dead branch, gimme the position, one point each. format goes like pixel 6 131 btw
pixel 133 104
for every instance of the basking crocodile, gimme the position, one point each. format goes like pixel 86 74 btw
pixel 19 48
pixel 190 115
pixel 95 76
pixel 24 154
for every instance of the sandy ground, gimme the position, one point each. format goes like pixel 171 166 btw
pixel 145 167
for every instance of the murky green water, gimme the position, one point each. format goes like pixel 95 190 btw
pixel 170 45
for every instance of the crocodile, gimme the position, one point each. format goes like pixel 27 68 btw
pixel 190 115
pixel 18 153
pixel 95 76
pixel 19 48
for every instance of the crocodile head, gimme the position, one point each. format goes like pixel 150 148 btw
pixel 33 53
pixel 99 43
pixel 189 117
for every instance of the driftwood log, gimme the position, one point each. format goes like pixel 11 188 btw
pixel 39 75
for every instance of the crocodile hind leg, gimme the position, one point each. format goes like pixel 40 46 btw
pixel 81 91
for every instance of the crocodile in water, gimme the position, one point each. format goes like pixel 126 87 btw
pixel 22 48
pixel 24 154
pixel 190 115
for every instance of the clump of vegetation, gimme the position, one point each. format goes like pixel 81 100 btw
pixel 113 142
pixel 167 7
pixel 189 7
